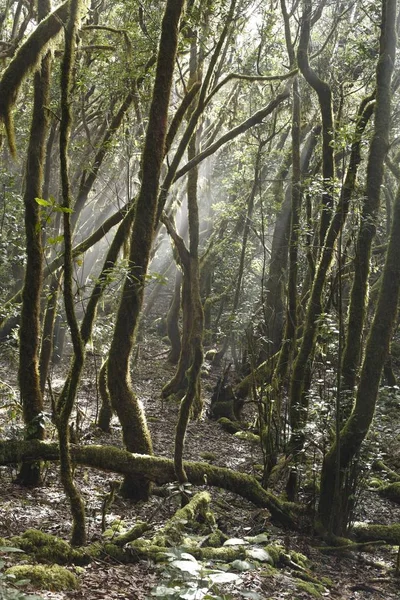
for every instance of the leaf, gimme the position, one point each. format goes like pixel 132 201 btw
pixel 242 565
pixel 187 566
pixel 187 556
pixel 236 542
pixel 260 554
pixel 221 577
pixel 42 202
pixel 55 240
pixel 162 591
pixel 62 209
pixel 251 595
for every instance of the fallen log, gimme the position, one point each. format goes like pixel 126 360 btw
pixel 157 469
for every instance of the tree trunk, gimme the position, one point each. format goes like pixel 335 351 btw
pixel 339 457
pixel 130 413
pixel 28 372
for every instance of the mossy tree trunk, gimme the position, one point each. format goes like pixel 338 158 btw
pixel 173 331
pixel 359 291
pixel 332 496
pixel 324 94
pixel 46 349
pixel 28 371
pixel 130 413
pixel 67 396
pixel 298 389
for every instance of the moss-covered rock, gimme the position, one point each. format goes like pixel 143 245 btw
pixel 48 548
pixel 314 589
pixel 228 425
pixel 49 577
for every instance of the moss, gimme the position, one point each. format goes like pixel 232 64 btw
pixel 48 548
pixel 391 492
pixel 248 436
pixel 50 577
pixel 311 588
pixel 275 553
pixel 387 533
pixel 117 553
pixel 228 425
pixel 215 539
pixel 173 529
pixel 376 483
pixel 210 456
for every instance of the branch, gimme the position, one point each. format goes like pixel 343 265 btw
pixel 26 60
pixel 157 469
pixel 255 119
pixel 249 78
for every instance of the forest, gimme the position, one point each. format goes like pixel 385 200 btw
pixel 199 288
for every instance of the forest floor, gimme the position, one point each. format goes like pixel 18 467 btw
pixel 354 575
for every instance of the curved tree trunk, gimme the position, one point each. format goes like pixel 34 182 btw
pixel 28 372
pixel 67 396
pixel 325 102
pixel 125 403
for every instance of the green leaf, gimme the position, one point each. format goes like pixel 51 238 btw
pixel 42 202
pixel 55 240
pixel 63 209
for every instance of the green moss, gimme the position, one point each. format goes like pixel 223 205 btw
pixel 228 425
pixel 48 548
pixel 172 532
pixel 116 553
pixel 49 577
pixel 387 533
pixel 391 492
pixel 275 553
pixel 299 559
pixel 216 539
pixel 210 456
pixel 376 483
pixel 248 436
pixel 311 588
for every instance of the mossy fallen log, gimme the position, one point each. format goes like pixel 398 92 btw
pixel 384 533
pixel 157 469
pixel 172 532
pixel 391 492
pixel 379 465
